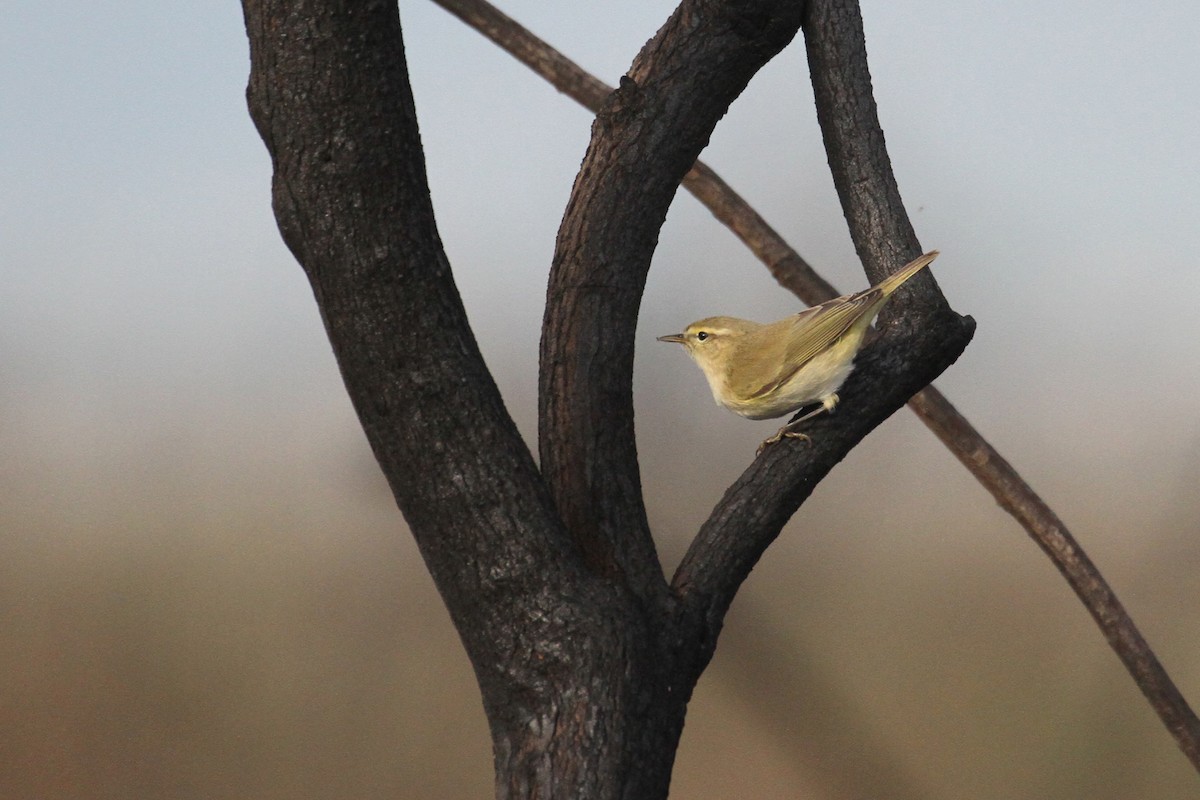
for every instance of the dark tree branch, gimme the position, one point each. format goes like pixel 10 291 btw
pixel 858 158
pixel 329 94
pixel 959 436
pixel 922 336
pixel 584 678
pixel 644 140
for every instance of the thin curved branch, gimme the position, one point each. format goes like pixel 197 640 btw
pixel 559 71
pixel 1047 530
pixel 930 405
pixel 644 140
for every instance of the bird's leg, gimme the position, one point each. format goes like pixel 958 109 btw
pixel 788 431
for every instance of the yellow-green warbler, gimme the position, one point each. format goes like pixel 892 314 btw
pixel 765 371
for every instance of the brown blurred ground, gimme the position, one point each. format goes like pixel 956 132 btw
pixel 224 604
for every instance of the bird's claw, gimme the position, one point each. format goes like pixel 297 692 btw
pixel 783 433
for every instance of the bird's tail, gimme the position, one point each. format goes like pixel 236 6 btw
pixel 894 281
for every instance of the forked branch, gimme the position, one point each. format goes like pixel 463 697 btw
pixel 794 273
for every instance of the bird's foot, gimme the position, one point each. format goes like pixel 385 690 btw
pixel 783 433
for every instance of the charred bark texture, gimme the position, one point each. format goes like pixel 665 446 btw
pixel 330 96
pixel 644 140
pixel 584 655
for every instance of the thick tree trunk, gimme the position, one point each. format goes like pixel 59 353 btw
pixel 585 655
pixel 582 694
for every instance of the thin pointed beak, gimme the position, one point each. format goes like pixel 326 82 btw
pixel 673 337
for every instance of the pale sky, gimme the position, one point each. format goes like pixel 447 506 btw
pixel 1048 151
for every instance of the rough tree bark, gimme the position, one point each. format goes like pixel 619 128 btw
pixel 585 654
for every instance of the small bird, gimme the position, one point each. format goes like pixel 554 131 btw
pixel 765 371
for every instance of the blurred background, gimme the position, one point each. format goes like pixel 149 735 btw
pixel 207 591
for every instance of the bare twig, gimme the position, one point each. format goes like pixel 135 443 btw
pixel 1017 498
pixel 983 461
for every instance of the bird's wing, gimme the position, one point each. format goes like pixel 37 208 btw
pixel 809 334
pixel 828 322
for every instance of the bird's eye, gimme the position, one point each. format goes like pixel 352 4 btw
pixel 701 336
